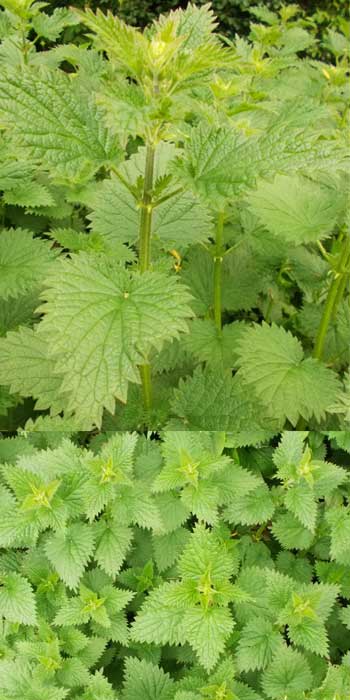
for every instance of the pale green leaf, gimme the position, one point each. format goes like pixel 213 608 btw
pixel 288 674
pixel 25 366
pixel 70 551
pixel 167 548
pixel 295 208
pixel 112 544
pixel 300 500
pixel 56 123
pixel 145 681
pixel 273 366
pixel 158 620
pixel 101 322
pixel 24 262
pixel 259 642
pixel 17 601
pixel 207 630
pixel 30 194
pixel 51 26
pixel 290 533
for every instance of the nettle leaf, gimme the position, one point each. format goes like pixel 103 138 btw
pixel 56 123
pixel 30 194
pixel 344 615
pixel 300 500
pixel 208 344
pixel 145 681
pixel 101 322
pixel 70 551
pixel 112 544
pixel 207 631
pixel 24 261
pixel 251 508
pixel 167 548
pixel 290 532
pixel 218 162
pixel 258 644
pixel 98 688
pixel 25 366
pixel 179 221
pixel 17 601
pixel 204 165
pixel 288 675
pixel 212 400
pixel 272 363
pixel 159 620
pixel 296 208
pixel 51 26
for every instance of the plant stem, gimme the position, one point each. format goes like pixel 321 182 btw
pixel 335 295
pixel 145 233
pixel 146 212
pixel 145 372
pixel 218 258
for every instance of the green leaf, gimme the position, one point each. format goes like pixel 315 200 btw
pixel 289 453
pixel 217 163
pixel 300 500
pixel 297 209
pixel 101 322
pixel 290 533
pixel 70 551
pixel 204 165
pixel 99 688
pixel 30 194
pixel 144 681
pixel 338 519
pixel 17 601
pixel 125 45
pixel 310 634
pixel 167 548
pixel 212 400
pixel 208 344
pixel 51 26
pixel 344 615
pixel 207 631
pixel 56 123
pixel 272 364
pixel 288 675
pixel 112 544
pixel 179 221
pixel 25 366
pixel 158 620
pixel 24 262
pixel 259 642
pixel 252 508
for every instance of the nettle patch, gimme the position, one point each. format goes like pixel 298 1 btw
pixel 174 250
pixel 182 568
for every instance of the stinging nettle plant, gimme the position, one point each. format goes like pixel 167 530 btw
pixel 175 236
pixel 186 568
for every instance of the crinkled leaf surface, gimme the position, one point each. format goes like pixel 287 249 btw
pixel 100 324
pixel 56 123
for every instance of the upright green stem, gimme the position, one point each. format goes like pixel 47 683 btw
pixel 335 295
pixel 146 212
pixel 145 233
pixel 218 258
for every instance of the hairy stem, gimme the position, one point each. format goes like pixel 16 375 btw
pixel 145 233
pixel 218 258
pixel 335 295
